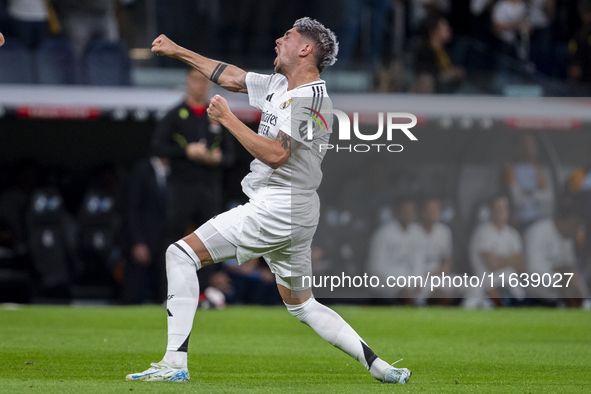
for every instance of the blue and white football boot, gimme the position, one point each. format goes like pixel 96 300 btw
pixel 161 372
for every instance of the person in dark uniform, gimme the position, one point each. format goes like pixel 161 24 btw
pixel 198 150
pixel 434 71
pixel 147 201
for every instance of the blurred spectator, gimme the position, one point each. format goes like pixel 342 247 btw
pixel 434 71
pixel 580 47
pixel 87 20
pixel 352 11
pixel 541 16
pixel 511 26
pixel 422 8
pixel 437 243
pixel 394 249
pixel 221 281
pixel 550 249
pixel 390 78
pixel 147 199
pixel 530 191
pixel 495 248
pixel 436 246
pixel 29 21
pixel 251 283
pixel 198 150
pixel 579 189
pixel 579 181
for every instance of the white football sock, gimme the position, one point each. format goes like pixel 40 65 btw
pixel 183 295
pixel 332 328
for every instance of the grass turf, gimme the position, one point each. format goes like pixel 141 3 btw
pixel 255 349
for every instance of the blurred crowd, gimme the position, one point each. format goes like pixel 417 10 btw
pixel 529 225
pixel 519 42
pixel 62 42
pixel 422 46
pixel 104 236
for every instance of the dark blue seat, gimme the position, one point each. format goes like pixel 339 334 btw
pixel 56 62
pixel 108 64
pixel 16 63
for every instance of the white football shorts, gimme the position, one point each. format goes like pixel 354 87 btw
pixel 251 231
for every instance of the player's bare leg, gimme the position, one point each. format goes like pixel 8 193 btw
pixel 334 329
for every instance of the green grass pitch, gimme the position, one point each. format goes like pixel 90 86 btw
pixel 255 349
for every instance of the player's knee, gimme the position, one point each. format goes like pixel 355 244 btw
pixel 175 255
pixel 301 311
pixel 180 253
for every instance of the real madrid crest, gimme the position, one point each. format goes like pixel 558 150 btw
pixel 285 104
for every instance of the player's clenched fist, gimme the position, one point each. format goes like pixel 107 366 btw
pixel 164 46
pixel 1 39
pixel 218 108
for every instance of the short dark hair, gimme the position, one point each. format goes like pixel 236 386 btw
pixel 325 41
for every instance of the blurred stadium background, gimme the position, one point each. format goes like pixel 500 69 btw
pixel 81 95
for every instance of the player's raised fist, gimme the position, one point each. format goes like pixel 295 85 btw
pixel 164 46
pixel 218 108
pixel 1 39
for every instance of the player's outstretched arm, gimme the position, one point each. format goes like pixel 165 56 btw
pixel 227 76
pixel 271 152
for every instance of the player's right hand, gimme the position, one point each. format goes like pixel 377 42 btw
pixel 164 46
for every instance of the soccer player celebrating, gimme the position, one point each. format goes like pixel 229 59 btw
pixel 280 219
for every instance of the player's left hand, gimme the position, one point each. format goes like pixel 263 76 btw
pixel 218 109
pixel 1 39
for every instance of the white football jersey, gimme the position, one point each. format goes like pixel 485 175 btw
pixel 289 191
pixel 488 238
pixel 395 250
pixel 435 246
pixel 547 249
